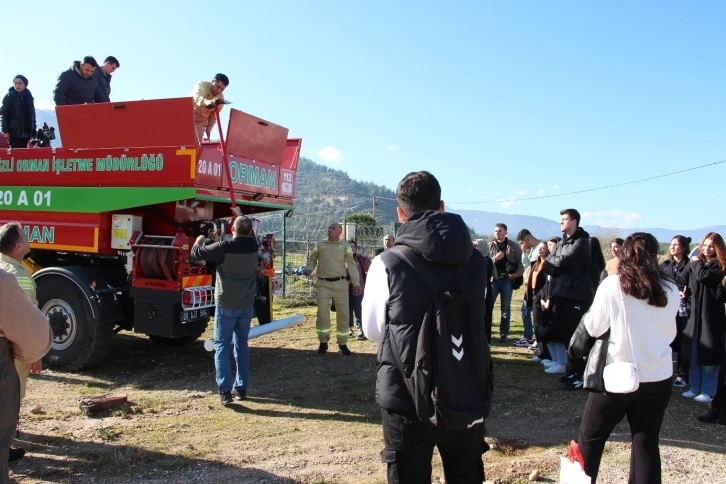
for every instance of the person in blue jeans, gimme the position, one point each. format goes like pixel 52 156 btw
pixel 235 290
pixel 507 257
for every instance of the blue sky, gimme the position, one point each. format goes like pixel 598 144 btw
pixel 499 100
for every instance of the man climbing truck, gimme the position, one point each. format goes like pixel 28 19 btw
pixel 112 215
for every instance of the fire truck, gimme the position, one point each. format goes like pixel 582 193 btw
pixel 111 217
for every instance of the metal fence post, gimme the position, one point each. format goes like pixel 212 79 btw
pixel 284 255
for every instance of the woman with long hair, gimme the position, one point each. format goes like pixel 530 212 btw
pixel 18 114
pixel 535 294
pixel 637 306
pixel 704 337
pixel 674 266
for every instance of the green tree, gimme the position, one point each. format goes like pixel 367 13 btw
pixel 361 219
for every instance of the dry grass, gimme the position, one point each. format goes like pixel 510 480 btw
pixel 309 419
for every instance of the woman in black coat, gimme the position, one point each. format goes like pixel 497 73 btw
pixel 18 114
pixel 704 337
pixel 678 250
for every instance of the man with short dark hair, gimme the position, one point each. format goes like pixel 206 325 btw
pixel 77 85
pixel 207 96
pixel 570 291
pixel 528 244
pixel 235 290
pixel 102 76
pixel 388 241
pixel 394 305
pixel 507 257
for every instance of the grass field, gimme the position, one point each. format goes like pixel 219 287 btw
pixel 309 419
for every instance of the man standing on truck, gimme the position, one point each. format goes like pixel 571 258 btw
pixel 331 256
pixel 14 247
pixel 77 85
pixel 207 95
pixel 235 290
pixel 102 76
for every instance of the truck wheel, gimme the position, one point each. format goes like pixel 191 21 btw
pixel 164 340
pixel 79 341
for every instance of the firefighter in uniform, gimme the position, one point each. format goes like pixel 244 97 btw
pixel 331 256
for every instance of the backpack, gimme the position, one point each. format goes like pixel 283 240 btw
pixel 451 381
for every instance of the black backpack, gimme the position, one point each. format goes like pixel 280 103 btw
pixel 451 383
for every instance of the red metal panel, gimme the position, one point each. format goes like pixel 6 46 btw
pixel 66 232
pixel 255 139
pixel 170 166
pixel 248 177
pixel 292 154
pixel 158 122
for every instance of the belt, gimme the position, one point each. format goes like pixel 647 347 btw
pixel 332 279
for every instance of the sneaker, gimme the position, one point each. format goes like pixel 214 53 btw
pixel 566 378
pixel 575 384
pixel 503 339
pixel 323 348
pixel 361 337
pixel 16 453
pixel 703 398
pixel 239 394
pixel 523 343
pixel 547 363
pixel 536 359
pixel 343 350
pixel 679 382
pixel 534 346
pixel 350 333
pixel 689 394
pixel 225 398
pixel 556 368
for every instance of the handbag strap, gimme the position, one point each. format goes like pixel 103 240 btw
pixel 621 302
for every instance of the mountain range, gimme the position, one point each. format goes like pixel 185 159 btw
pixel 331 194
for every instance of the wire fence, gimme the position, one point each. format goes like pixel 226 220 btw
pixel 296 237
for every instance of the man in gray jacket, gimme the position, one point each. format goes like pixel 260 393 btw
pixel 235 290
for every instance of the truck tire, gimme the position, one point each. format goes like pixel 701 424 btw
pixel 79 340
pixel 165 340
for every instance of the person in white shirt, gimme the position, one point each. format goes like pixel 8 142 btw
pixel 637 306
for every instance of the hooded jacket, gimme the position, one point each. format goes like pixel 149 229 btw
pixel 73 88
pixel 14 120
pixel 443 240
pixel 103 81
pixel 569 267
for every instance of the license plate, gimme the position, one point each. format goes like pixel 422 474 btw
pixel 193 315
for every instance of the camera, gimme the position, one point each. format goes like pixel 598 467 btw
pixel 43 137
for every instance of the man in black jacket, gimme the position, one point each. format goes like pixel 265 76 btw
pixel 396 297
pixel 571 292
pixel 102 76
pixel 77 85
pixel 235 290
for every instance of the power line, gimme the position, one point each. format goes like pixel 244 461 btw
pixel 586 190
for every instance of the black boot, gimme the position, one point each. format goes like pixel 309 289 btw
pixel 712 416
pixel 15 454
pixel 323 348
pixel 343 350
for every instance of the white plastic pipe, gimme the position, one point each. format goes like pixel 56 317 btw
pixel 264 329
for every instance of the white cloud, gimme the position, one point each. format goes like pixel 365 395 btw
pixel 612 218
pixel 391 148
pixel 541 191
pixel 505 203
pixel 521 193
pixel 555 187
pixel 331 155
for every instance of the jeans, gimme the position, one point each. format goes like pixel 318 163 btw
pixel 409 447
pixel 527 321
pixel 503 287
pixel 355 304
pixel 645 409
pixel 558 352
pixel 702 379
pixel 232 326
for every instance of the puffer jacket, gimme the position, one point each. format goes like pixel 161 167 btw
pixel 569 267
pixel 13 119
pixel 73 88
pixel 104 84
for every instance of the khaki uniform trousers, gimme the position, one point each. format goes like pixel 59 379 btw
pixel 338 292
pixel 23 370
pixel 201 130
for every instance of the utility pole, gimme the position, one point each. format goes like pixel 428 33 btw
pixel 374 206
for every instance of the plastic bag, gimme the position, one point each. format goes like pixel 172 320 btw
pixel 571 467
